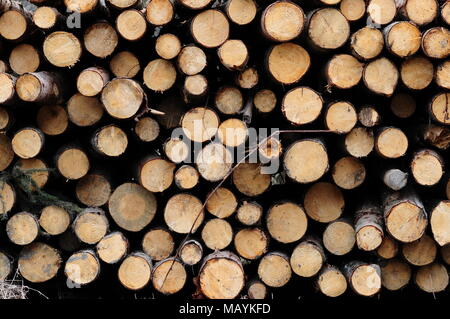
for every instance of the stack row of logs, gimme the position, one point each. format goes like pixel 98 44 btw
pixel 128 150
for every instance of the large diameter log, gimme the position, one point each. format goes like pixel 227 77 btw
pixel 388 248
pixel 222 203
pixel 5 266
pixel 328 28
pixel 367 43
pixel 440 221
pixel 381 11
pixel 6 119
pixel 287 71
pixel 112 248
pixel 353 10
pixel 418 11
pixel 395 274
pixel 420 252
pixel 402 38
pixel 159 75
pixel 233 54
pixel 300 105
pixel 15 23
pixel 404 216
pixel 169 276
pixel 124 64
pixel 433 42
pixel 339 237
pixel 110 141
pixel 217 234
pixel 417 72
pixel 159 12
pixel 200 124
pixel 251 243
pixel 135 271
pixel 340 117
pixel 348 172
pixel 83 110
pixel 93 190
pixel 445 254
pixel 250 180
pixel 194 5
pixel 156 174
pixel 439 108
pixel 24 58
pixel 363 278
pixel 427 167
pixel 343 71
pixel 391 142
pixel 191 252
pixel 39 262
pixel 221 275
pixel 286 222
pixel 307 258
pixel 40 87
pixel 131 25
pixel 282 21
pixel 312 154
pixel 7 198
pixel 249 213
pixel 186 177
pixel 241 12
pixel 214 162
pixel 6 151
pixel 331 281
pixel 7 88
pixel 83 7
pixel 183 213
pixel 324 202
pixel 229 100
pixel 158 243
pixel 91 225
pixel 91 81
pixel 100 39
pixel 381 76
pixel 52 119
pixel 274 269
pixel 122 98
pixel 167 46
pixel 22 228
pixel 132 207
pixel 72 162
pixel 62 49
pixel 210 28
pixel 432 278
pixel 54 220
pixel 82 267
pixel 123 4
pixel 369 227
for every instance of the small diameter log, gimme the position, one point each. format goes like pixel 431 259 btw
pixel 15 23
pixel 3 67
pixel 112 248
pixel 353 10
pixel 420 252
pixel 91 81
pixel 232 132
pixel 40 177
pixel 84 111
pixel 394 178
pixel 131 25
pixel 156 174
pixel 340 117
pixel 328 28
pixel 250 180
pixel 439 108
pixel 54 220
pixel 395 274
pixel 381 11
pixel 367 43
pixel 135 271
pixel 210 28
pixel 435 135
pixel 184 213
pixel 217 234
pixel 324 202
pixel 363 278
pixel 427 167
pixel 359 142
pixel 191 252
pixel 445 12
pixel 167 46
pixel 348 172
pixel 24 58
pixel 6 151
pixel 93 190
pixel 307 258
pixel 5 266
pixel 7 88
pixel 132 207
pixel 6 119
pixel 22 228
pixel 402 38
pixel 274 269
pixel 83 7
pixel 251 243
pixel 7 198
pixel 432 278
pixel 147 129
pixel 159 12
pixel 403 105
pixel 91 225
pixel 221 276
pixel 404 216
pixel 176 150
pixel 331 281
pixel 100 39
pixel 28 142
pixel 417 73
pixel 445 254
pixel 195 88
pixel 339 237
pixel 440 221
pixel 368 116
pixel 300 105
pixel 388 248
pixel 286 222
pixel 241 12
pixel 186 177
pixel 369 227
pixel 419 12
pixel 123 4
pixel 287 71
pixel 194 5
pixel 82 267
pixel 214 162
pixel 313 154
pixel 265 101
pixel 159 75
pixel 72 162
pixel 282 21
pixel 249 213
pixel 52 119
pixel 200 124
pixel 110 141
pixel 169 276
pixel 62 49
pixel 124 64
pixel 381 76
pixel 47 18
pixel 270 149
pixel 158 243
pixel 222 203
pixel 391 142
pixel 39 262
pixel 442 76
pixel 248 78
pixel 343 71
pixel 233 54
pixel 435 42
pixel 257 290
pixel 122 98
pixel 40 87
pixel 229 100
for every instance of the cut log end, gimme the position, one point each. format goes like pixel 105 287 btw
pixel 112 248
pixel 39 262
pixel 274 270
pixel 54 220
pixel 339 237
pixel 158 244
pixel 183 213
pixel 282 21
pixel 169 276
pixel 135 271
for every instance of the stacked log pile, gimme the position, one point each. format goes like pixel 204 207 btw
pixel 127 149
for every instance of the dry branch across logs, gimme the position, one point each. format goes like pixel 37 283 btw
pixel 225 149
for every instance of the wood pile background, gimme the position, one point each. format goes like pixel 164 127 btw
pixel 101 197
